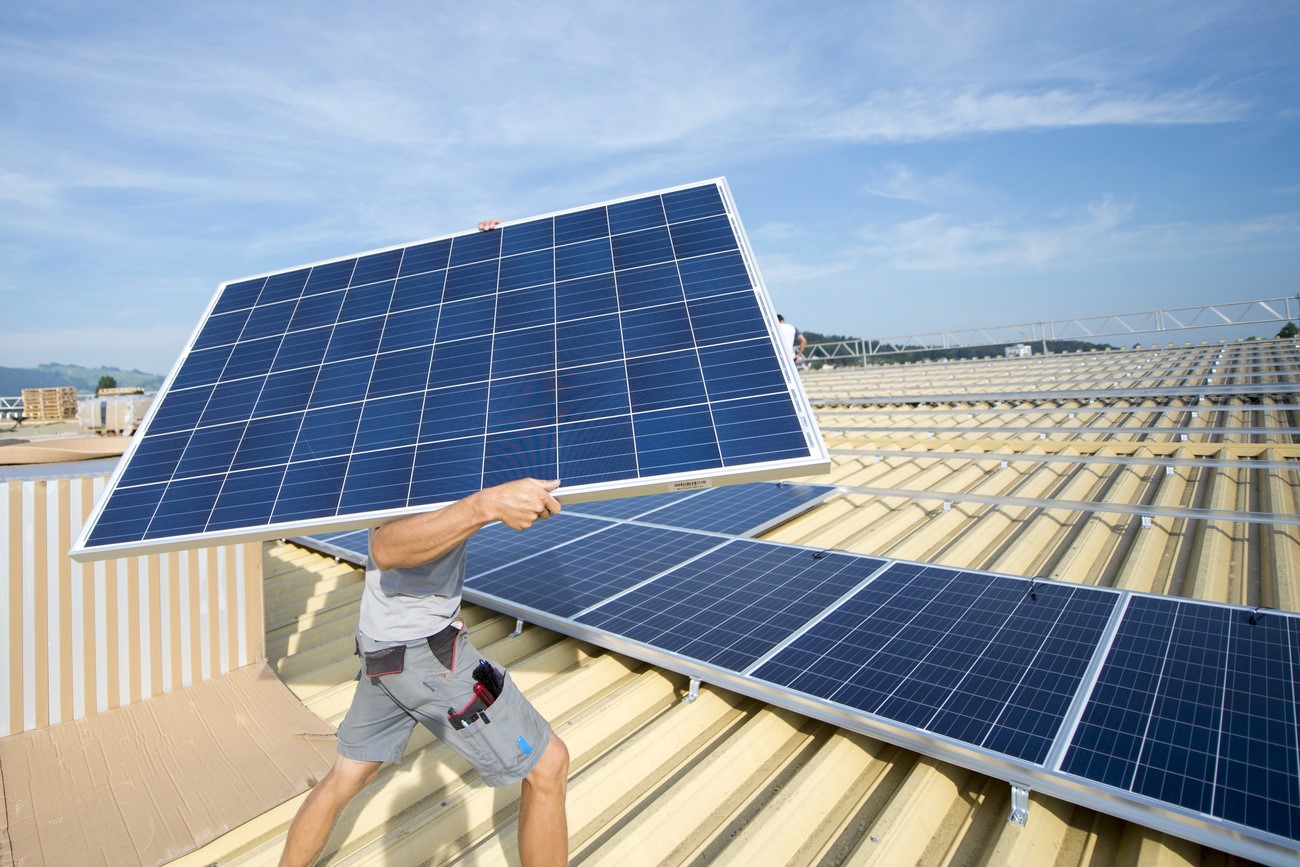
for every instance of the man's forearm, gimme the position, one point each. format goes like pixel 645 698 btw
pixel 419 539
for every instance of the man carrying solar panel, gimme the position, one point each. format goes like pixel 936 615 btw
pixel 419 666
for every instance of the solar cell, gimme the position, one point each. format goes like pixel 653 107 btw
pixel 971 656
pixel 628 346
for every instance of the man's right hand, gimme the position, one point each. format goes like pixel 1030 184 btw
pixel 520 503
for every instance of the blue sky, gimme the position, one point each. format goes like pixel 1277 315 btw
pixel 900 167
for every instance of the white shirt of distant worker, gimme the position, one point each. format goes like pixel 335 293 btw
pixel 792 338
pixel 418 665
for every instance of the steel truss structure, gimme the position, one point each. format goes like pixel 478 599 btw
pixel 1087 328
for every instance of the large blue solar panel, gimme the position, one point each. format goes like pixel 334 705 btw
pixel 975 657
pixel 734 604
pixel 1197 706
pixel 628 346
pixel 565 579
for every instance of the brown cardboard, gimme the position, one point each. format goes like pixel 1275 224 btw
pixel 151 781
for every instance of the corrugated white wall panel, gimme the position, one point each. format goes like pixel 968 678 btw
pixel 77 640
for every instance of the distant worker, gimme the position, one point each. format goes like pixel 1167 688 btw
pixel 418 666
pixel 793 339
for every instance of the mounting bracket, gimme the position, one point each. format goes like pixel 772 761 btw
pixel 693 692
pixel 1019 805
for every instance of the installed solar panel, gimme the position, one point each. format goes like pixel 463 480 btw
pixel 734 604
pixel 496 545
pixel 968 655
pixel 1176 714
pixel 738 510
pixel 627 346
pixel 742 510
pixel 566 578
pixel 1197 706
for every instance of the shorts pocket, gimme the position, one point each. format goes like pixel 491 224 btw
pixel 504 734
pixel 389 660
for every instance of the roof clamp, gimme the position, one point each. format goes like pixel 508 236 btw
pixel 519 629
pixel 1033 589
pixel 1169 469
pixel 1256 615
pixel 692 692
pixel 1004 465
pixel 947 505
pixel 1146 522
pixel 817 555
pixel 1019 805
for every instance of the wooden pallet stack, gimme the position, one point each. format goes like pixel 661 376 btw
pixel 50 404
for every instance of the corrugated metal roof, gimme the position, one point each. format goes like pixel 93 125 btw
pixel 1183 491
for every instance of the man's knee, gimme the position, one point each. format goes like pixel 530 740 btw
pixel 552 769
pixel 350 776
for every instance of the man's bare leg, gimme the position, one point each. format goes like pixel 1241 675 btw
pixel 543 826
pixel 311 828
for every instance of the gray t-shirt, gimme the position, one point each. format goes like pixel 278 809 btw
pixel 406 604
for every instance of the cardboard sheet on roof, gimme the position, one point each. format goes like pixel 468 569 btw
pixel 151 781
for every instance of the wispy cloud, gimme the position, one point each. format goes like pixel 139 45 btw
pixel 921 115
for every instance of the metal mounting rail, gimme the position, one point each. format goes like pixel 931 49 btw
pixel 1064 394
pixel 1144 512
pixel 1054 430
pixel 1087 328
pixel 1121 460
pixel 1091 410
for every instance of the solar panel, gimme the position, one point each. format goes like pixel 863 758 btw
pixel 733 604
pixel 740 510
pixel 567 578
pixel 626 508
pixel 626 347
pixel 1196 706
pixel 496 544
pixel 972 656
pixel 1177 714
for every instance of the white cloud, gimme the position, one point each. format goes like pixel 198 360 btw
pixel 920 115
pixel 937 242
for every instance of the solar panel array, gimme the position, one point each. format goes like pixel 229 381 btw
pixel 1170 712
pixel 623 346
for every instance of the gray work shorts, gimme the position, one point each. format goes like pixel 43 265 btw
pixel 503 742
